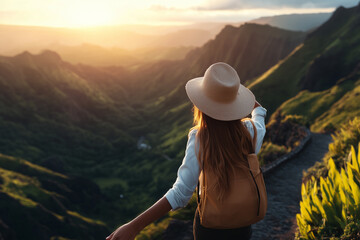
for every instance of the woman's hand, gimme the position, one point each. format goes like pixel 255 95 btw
pixel 130 230
pixel 124 232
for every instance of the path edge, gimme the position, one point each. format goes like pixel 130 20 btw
pixel 271 166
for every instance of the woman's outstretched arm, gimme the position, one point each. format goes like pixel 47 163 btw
pixel 130 230
pixel 178 196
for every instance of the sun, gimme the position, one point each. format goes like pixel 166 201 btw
pixel 89 14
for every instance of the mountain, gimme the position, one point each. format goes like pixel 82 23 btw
pixel 16 39
pixel 327 57
pixel 295 22
pixel 101 56
pixel 76 119
pixel 185 37
pixel 38 203
pixel 250 48
pixel 90 121
pixel 52 96
pixel 326 110
pixel 94 55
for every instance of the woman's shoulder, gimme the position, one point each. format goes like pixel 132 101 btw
pixel 249 126
pixel 247 123
pixel 192 132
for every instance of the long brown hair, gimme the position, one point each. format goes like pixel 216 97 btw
pixel 223 146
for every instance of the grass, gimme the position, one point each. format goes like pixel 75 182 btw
pixel 346 136
pixel 340 112
pixel 85 219
pixel 13 163
pixel 336 39
pixel 327 110
pixel 109 182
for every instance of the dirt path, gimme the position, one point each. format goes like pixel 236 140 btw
pixel 283 186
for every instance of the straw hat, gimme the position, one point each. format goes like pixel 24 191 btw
pixel 219 94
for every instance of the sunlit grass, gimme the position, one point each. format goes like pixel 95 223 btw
pixel 331 208
pixel 22 200
pixel 59 238
pixel 343 139
pixel 328 109
pixel 13 184
pixel 109 181
pixel 274 68
pixel 14 163
pixel 88 220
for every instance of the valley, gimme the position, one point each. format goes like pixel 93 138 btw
pixel 95 144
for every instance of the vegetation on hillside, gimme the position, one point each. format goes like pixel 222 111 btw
pixel 348 135
pixel 38 203
pixel 329 190
pixel 327 110
pixel 328 54
pixel 331 209
pixel 283 134
pixel 84 120
pixel 77 120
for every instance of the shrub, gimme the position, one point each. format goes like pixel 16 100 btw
pixel 348 135
pixel 331 209
pixel 270 152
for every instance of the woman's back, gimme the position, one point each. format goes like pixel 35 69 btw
pixel 189 171
pixel 219 144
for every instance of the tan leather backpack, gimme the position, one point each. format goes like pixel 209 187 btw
pixel 244 204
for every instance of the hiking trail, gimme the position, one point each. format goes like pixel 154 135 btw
pixel 283 186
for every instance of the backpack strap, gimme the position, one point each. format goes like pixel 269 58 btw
pixel 198 190
pixel 257 187
pixel 198 185
pixel 255 135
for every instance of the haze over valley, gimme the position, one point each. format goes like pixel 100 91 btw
pixel 94 121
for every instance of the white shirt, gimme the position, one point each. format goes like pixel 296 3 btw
pixel 189 171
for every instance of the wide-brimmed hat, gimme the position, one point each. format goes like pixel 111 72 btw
pixel 219 93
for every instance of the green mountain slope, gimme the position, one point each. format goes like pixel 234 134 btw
pixel 330 82
pixel 77 120
pixel 328 54
pixel 250 48
pixel 37 203
pixel 327 110
pixel 89 121
pixel 50 108
pixel 96 55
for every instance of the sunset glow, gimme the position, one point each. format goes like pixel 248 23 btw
pixel 81 13
pixel 91 14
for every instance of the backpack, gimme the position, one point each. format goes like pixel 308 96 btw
pixel 244 204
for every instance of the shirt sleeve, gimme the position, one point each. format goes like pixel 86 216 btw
pixel 258 117
pixel 187 176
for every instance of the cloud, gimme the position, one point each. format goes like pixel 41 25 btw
pixel 273 4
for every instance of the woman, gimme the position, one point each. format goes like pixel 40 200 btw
pixel 221 136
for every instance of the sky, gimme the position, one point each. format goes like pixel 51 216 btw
pixel 83 13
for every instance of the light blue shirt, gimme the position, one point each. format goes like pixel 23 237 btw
pixel 189 171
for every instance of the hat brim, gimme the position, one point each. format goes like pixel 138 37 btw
pixel 239 108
